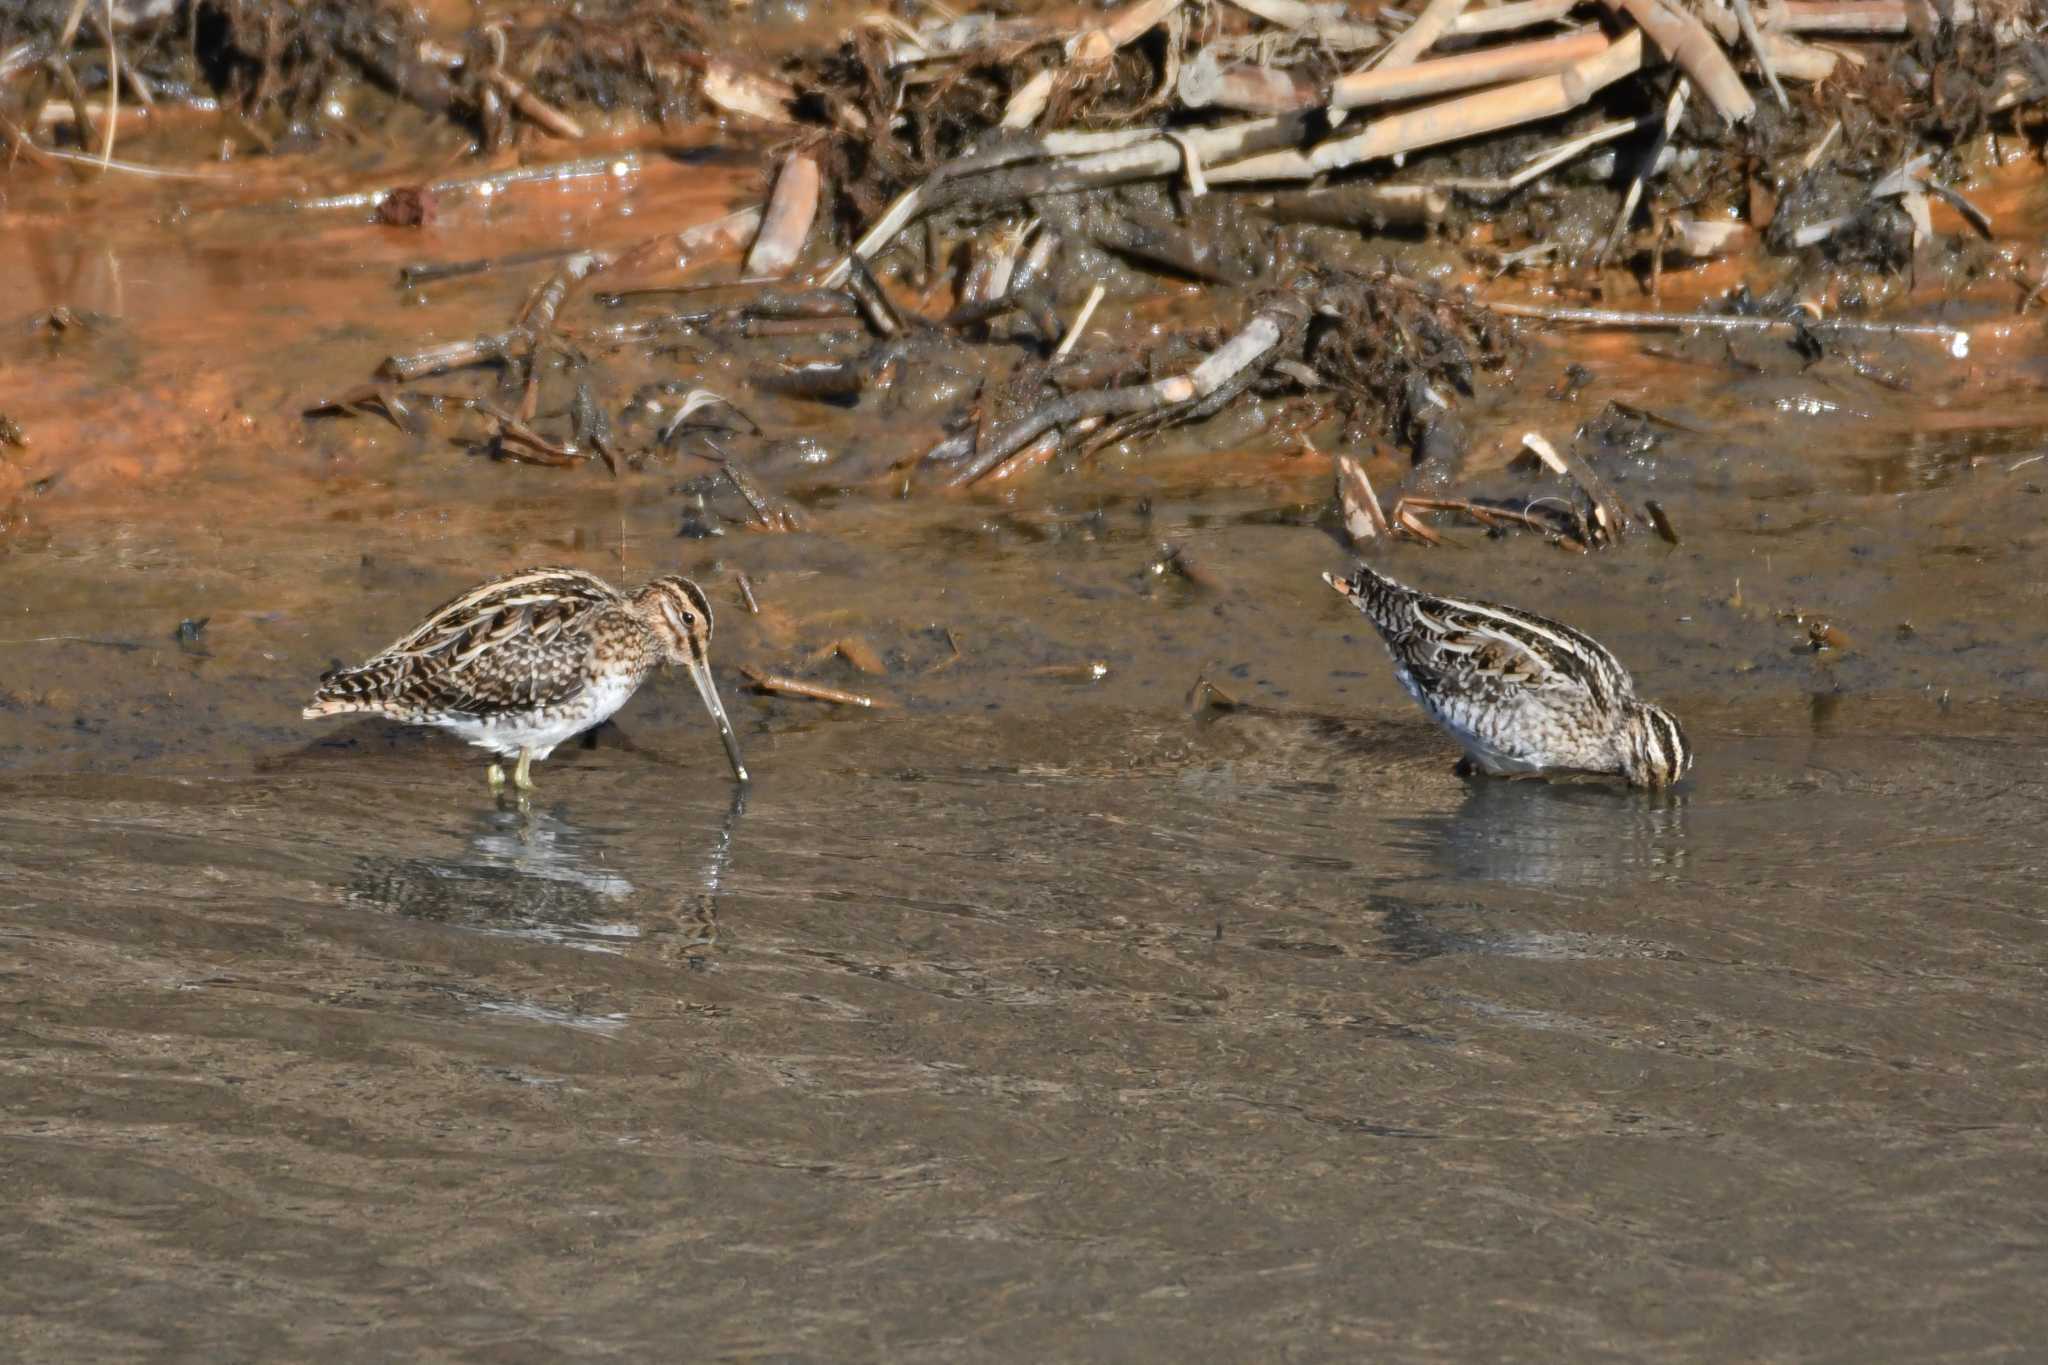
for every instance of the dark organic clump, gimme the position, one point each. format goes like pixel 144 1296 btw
pixel 1397 352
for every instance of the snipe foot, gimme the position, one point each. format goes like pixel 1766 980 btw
pixel 522 776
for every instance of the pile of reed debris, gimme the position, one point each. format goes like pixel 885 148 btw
pixel 974 187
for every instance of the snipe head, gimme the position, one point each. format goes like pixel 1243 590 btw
pixel 679 614
pixel 1654 749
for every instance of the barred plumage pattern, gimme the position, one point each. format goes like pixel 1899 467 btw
pixel 1520 692
pixel 521 643
pixel 521 663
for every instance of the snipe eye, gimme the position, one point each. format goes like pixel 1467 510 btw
pixel 688 620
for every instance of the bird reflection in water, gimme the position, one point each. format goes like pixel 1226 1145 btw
pixel 536 875
pixel 1558 835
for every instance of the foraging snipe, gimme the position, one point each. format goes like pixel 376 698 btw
pixel 1521 693
pixel 521 663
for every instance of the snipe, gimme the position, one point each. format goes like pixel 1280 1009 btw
pixel 519 664
pixel 1522 693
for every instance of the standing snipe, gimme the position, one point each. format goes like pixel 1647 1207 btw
pixel 1521 693
pixel 521 663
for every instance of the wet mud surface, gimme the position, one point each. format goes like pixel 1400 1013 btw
pixel 1025 1015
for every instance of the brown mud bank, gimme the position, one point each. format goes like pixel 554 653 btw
pixel 1131 978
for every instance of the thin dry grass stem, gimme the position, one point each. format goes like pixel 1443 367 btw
pixel 1518 14
pixel 513 439
pixel 113 92
pixel 1436 18
pixel 1674 109
pixel 1407 521
pixel 1545 162
pixel 1746 18
pixel 1080 322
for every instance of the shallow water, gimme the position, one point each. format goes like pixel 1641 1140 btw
pixel 1028 1015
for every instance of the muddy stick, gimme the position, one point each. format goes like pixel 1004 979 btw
pixel 1356 205
pixel 618 165
pixel 1231 367
pixel 797 687
pixel 1955 340
pixel 1014 178
pixel 538 314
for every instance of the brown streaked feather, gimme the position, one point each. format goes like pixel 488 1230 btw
pixel 1483 647
pixel 517 643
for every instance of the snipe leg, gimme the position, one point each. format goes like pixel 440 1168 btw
pixel 496 775
pixel 522 776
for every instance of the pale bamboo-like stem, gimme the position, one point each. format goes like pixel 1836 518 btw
pixel 1799 61
pixel 1254 89
pixel 786 225
pixel 1225 370
pixel 1443 75
pixel 1363 519
pixel 1507 18
pixel 1856 16
pixel 1686 41
pixel 1468 116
